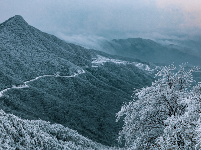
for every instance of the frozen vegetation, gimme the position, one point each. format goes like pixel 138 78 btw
pixel 16 133
pixel 82 89
pixel 165 115
pixel 38 82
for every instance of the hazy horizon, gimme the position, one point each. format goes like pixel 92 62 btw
pixel 89 21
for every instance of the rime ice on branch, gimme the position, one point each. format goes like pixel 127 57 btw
pixel 148 116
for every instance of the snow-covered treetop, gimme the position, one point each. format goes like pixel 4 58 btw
pixel 170 95
pixel 17 133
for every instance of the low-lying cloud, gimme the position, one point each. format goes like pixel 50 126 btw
pixel 90 42
pixel 107 18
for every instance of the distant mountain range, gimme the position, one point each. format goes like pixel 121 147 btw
pixel 190 46
pixel 43 77
pixel 151 51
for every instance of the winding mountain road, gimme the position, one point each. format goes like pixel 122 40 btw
pixel 32 80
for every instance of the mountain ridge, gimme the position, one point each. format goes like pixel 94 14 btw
pixel 86 103
pixel 17 19
pixel 149 51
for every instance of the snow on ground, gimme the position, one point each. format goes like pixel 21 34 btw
pixel 101 60
pixel 24 85
pixel 5 90
pixel 17 133
pixel 144 66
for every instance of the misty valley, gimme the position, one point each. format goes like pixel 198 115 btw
pixel 130 93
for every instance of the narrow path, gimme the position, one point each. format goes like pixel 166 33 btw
pixel 27 82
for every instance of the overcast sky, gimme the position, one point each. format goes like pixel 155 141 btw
pixel 74 19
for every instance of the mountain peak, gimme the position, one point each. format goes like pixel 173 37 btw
pixel 17 17
pixel 16 20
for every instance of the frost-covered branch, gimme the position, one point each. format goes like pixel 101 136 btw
pixel 169 98
pixel 20 134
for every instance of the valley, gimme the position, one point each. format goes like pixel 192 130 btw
pixel 65 91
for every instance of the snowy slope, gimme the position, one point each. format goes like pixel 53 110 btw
pixel 17 133
pixel 44 77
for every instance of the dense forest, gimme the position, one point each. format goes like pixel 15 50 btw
pixel 58 95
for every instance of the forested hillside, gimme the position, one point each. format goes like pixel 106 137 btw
pixel 43 77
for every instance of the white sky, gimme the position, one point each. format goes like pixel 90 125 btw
pixel 108 18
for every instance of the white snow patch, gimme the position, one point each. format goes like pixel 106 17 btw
pixel 143 66
pixel 1 93
pixel 101 60
pixel 94 66
pixel 20 86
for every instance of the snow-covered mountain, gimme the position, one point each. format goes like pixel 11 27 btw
pixel 190 46
pixel 151 51
pixel 43 77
